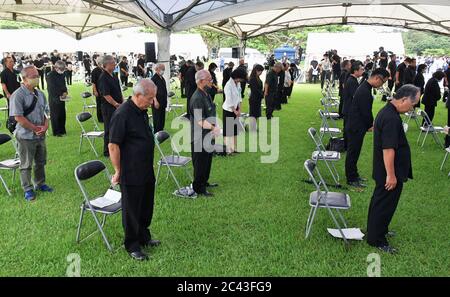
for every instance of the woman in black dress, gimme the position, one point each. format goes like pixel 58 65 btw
pixel 214 89
pixel 256 95
pixel 419 80
pixel 432 93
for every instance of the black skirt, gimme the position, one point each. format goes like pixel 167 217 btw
pixel 229 127
pixel 255 107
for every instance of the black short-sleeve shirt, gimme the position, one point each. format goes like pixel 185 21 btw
pixel 390 134
pixel 109 85
pixel 9 78
pixel 393 69
pixel 384 63
pixel 201 108
pixel 95 75
pixel 272 82
pixel 131 131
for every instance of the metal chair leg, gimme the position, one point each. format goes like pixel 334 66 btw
pixel 445 159
pixel 6 186
pixel 79 224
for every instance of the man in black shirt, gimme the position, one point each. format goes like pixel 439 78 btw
pixel 111 93
pixel 271 88
pixel 410 73
pixel 346 68
pixel 359 121
pixel 400 76
pixel 159 108
pixel 383 57
pixel 39 64
pixel 184 67
pixel 227 76
pixel 57 90
pixel 392 68
pixel 123 67
pixel 203 131
pixel 349 90
pixel 391 165
pixel 132 150
pixel 87 67
pixel 95 76
pixel 190 83
pixel 8 79
pixel 141 66
pixel 244 83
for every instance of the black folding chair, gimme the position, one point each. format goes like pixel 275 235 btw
pixel 83 173
pixel 89 135
pixel 429 128
pixel 9 164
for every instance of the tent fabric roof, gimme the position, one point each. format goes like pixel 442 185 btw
pixel 243 18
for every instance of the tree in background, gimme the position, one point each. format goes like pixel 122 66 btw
pixel 426 44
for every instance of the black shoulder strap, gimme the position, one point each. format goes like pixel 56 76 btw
pixel 33 104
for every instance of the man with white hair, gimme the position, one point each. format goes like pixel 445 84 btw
pixel 202 117
pixel 159 110
pixel 57 90
pixel 28 107
pixel 131 151
pixel 111 92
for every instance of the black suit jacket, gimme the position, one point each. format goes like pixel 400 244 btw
pixel 432 93
pixel 360 117
pixel 161 94
pixel 350 87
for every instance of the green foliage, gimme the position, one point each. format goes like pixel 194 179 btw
pixel 5 24
pixel 424 43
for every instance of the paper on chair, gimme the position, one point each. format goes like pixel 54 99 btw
pixel 350 233
pixel 111 197
pixel 10 162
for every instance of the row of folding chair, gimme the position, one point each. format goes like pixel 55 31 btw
pixel 11 164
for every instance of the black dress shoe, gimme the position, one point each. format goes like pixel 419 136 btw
pixel 152 243
pixel 356 184
pixel 362 179
pixel 391 234
pixel 212 185
pixel 206 194
pixel 138 255
pixel 388 249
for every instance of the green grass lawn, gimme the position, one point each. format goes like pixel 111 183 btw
pixel 254 226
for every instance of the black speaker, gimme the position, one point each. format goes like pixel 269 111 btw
pixel 150 53
pixel 235 53
pixel 80 55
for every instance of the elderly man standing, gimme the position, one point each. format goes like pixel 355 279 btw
pixel 9 78
pixel 159 109
pixel 109 87
pixel 391 165
pixel 132 149
pixel 57 90
pixel 271 88
pixel 29 107
pixel 203 130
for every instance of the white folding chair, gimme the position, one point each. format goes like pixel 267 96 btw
pixel 83 173
pixel 326 127
pixel 328 157
pixel 4 107
pixel 328 110
pixel 414 115
pixel 9 164
pixel 174 104
pixel 89 135
pixel 323 198
pixel 88 102
pixel 428 128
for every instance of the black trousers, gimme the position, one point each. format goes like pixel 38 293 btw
pixel 430 109
pixel 324 75
pixel 137 214
pixel 270 105
pixel 189 92
pixel 344 132
pixel 58 116
pixel 355 140
pixel 124 80
pixel 243 84
pixel 69 77
pixel 98 103
pixel 159 118
pixel 182 86
pixel 107 112
pixel 381 210
pixel 42 75
pixel 202 162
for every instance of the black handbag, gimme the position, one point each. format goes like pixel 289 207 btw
pixel 336 144
pixel 11 122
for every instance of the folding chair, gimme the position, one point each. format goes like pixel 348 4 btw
pixel 83 173
pixel 4 107
pixel 9 164
pixel 328 157
pixel 328 110
pixel 86 106
pixel 91 135
pixel 174 104
pixel 428 128
pixel 323 198
pixel 173 160
pixel 447 151
pixel 326 128
pixel 413 115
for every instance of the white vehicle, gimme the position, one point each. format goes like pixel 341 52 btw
pixel 252 57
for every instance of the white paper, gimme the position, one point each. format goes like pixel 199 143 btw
pixel 111 197
pixel 10 162
pixel 350 233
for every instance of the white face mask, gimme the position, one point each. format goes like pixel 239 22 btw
pixel 162 72
pixel 34 82
pixel 60 72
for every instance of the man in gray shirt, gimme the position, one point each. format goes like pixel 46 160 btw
pixel 30 131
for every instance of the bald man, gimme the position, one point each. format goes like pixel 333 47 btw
pixel 131 149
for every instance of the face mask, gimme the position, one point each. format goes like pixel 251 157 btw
pixel 60 72
pixel 34 82
pixel 162 72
